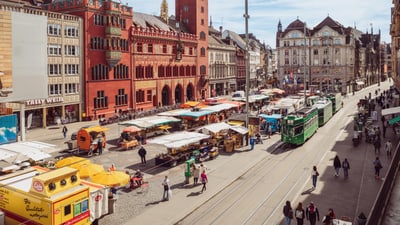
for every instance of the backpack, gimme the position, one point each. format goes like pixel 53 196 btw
pixel 299 214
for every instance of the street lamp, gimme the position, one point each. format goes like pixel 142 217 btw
pixel 246 18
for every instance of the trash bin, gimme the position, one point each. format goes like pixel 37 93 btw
pixel 111 205
pixel 70 145
pixel 361 219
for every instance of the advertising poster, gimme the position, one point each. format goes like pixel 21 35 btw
pixel 8 129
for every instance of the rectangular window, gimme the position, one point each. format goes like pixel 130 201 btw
pixel 149 95
pixel 72 88
pixel 71 69
pixel 54 29
pixel 54 89
pixel 71 31
pixel 101 101
pixel 140 96
pixel 121 98
pixel 164 49
pixel 98 20
pixel 139 47
pixel 150 48
pixel 71 50
pixel 54 69
pixel 54 50
pixel 67 210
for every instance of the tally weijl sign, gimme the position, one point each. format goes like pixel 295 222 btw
pixel 43 101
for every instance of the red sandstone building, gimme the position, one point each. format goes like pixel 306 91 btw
pixel 134 61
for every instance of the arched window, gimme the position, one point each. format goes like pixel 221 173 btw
pixel 187 70
pixel 194 72
pixel 202 35
pixel 203 52
pixel 203 70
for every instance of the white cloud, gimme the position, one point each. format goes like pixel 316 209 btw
pixel 265 14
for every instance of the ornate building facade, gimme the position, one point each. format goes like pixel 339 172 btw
pixel 329 57
pixel 395 34
pixel 139 62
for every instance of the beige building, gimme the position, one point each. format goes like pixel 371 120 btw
pixel 323 57
pixel 64 66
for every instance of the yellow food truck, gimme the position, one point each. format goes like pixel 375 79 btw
pixel 54 197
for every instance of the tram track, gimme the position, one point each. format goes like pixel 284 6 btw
pixel 265 208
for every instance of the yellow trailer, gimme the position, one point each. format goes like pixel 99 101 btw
pixel 54 197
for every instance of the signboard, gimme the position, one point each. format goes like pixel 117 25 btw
pixel 8 129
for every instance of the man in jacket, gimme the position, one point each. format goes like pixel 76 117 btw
pixel 312 213
pixel 142 153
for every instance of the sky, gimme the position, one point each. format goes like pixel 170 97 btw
pixel 265 14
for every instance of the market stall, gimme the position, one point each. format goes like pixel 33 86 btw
pixel 128 137
pixel 151 125
pixel 180 146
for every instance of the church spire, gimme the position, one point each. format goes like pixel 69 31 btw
pixel 164 10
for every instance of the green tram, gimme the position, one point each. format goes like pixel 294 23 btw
pixel 337 101
pixel 325 110
pixel 299 126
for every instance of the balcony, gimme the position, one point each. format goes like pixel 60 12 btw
pixel 113 57
pixel 113 32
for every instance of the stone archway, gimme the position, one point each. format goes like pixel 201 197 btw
pixel 190 92
pixel 165 95
pixel 179 94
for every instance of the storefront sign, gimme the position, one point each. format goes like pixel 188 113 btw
pixel 42 101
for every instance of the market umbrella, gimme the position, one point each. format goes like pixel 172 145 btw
pixel 88 169
pixel 73 160
pixel 111 178
pixel 131 129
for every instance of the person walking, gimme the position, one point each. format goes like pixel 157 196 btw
pixel 377 146
pixel 312 213
pixel 337 164
pixel 314 175
pixel 388 148
pixel 142 153
pixel 64 131
pixel 328 218
pixel 165 184
pixel 196 174
pixel 288 213
pixel 100 145
pixel 378 166
pixel 346 167
pixel 204 181
pixel 300 214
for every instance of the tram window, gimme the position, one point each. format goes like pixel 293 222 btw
pixel 77 209
pixel 67 210
pixel 298 130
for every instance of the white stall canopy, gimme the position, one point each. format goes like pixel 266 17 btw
pixel 179 139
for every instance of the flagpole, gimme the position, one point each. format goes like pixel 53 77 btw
pixel 246 16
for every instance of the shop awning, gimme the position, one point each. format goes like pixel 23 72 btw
pixel 273 116
pixel 175 112
pixel 390 111
pixel 219 107
pixel 149 122
pixel 189 104
pixel 236 123
pixel 240 129
pixel 196 114
pixel 178 139
pixel 23 151
pixel 394 120
pixel 215 127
